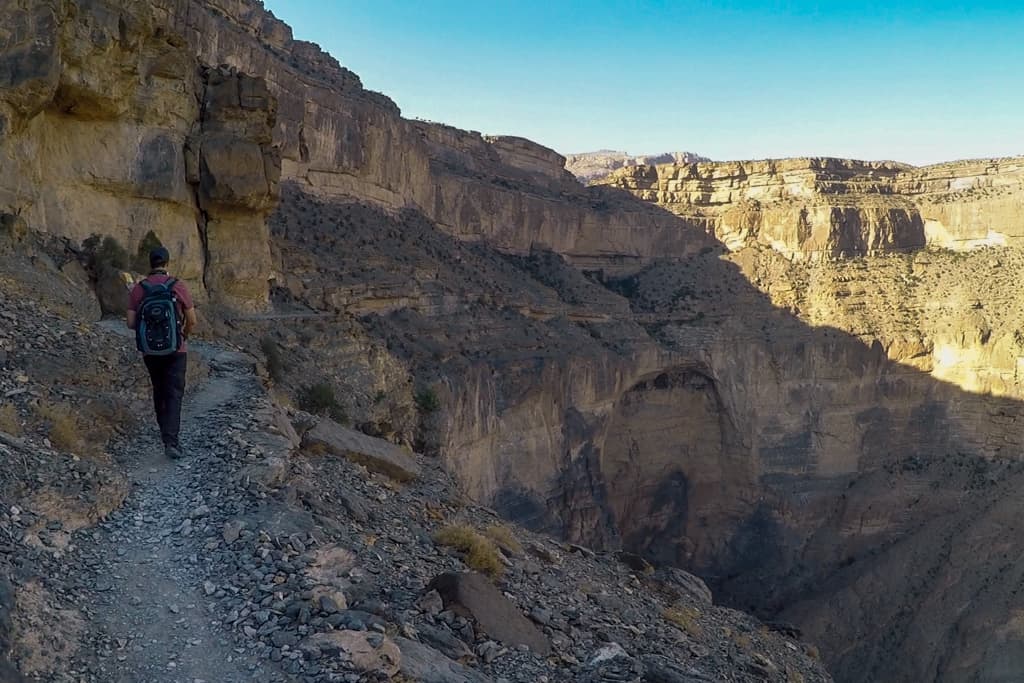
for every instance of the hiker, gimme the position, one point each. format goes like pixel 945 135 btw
pixel 161 311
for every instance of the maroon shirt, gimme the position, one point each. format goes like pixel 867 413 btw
pixel 185 302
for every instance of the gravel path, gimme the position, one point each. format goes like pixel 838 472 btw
pixel 147 571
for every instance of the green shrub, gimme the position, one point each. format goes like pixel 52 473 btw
pixel 319 399
pixel 427 400
pixel 275 362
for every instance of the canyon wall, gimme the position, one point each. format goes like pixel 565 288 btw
pixel 830 208
pixel 110 127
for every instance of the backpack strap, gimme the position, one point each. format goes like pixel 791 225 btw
pixel 147 287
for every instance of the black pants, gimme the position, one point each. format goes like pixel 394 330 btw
pixel 168 375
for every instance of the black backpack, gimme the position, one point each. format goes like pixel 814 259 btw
pixel 158 328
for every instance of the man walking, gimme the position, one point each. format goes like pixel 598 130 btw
pixel 161 311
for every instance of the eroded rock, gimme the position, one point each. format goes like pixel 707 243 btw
pixel 375 454
pixel 473 595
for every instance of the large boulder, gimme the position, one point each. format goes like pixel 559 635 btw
pixel 368 652
pixel 685 583
pixel 427 665
pixel 473 596
pixel 376 455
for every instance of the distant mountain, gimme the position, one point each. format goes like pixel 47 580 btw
pixel 593 165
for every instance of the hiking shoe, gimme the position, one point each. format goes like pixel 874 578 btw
pixel 172 452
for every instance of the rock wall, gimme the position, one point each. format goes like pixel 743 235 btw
pixel 99 105
pixel 827 208
pixel 590 166
pixel 340 141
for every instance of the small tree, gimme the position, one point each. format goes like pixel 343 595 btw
pixel 319 399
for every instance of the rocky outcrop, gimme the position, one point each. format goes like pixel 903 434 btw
pixel 99 104
pixel 827 208
pixel 473 596
pixel 590 166
pixel 376 455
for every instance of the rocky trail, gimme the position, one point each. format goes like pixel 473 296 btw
pixel 143 571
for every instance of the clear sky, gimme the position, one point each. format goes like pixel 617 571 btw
pixel 913 80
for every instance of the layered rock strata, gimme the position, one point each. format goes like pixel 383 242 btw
pixel 828 208
pixel 589 166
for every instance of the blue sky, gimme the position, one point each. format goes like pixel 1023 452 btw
pixel 908 80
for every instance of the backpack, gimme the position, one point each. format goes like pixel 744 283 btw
pixel 158 328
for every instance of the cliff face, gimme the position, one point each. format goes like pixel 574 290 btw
pixel 111 127
pixel 828 208
pixel 590 166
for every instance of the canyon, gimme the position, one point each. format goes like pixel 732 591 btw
pixel 799 379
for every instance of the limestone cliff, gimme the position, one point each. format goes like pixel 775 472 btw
pixel 98 107
pixel 589 166
pixel 828 208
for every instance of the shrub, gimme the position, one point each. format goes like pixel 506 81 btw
pixel 275 362
pixel 480 553
pixel 87 430
pixel 685 618
pixel 427 400
pixel 61 425
pixel 146 245
pixel 10 422
pixel 503 536
pixel 319 399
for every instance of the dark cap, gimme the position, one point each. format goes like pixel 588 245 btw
pixel 159 257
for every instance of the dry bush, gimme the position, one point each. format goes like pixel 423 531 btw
pixel 86 430
pixel 503 536
pixel 10 421
pixel 812 652
pixel 685 618
pixel 742 641
pixel 61 425
pixel 480 552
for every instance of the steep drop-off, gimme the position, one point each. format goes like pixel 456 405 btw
pixel 763 376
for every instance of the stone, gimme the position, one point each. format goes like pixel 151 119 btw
pixel 427 665
pixel 430 603
pixel 658 669
pixel 685 582
pixel 376 454
pixel 384 658
pixel 473 596
pixel 445 642
pixel 232 530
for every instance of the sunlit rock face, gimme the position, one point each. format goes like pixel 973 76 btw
pixel 825 208
pixel 111 128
